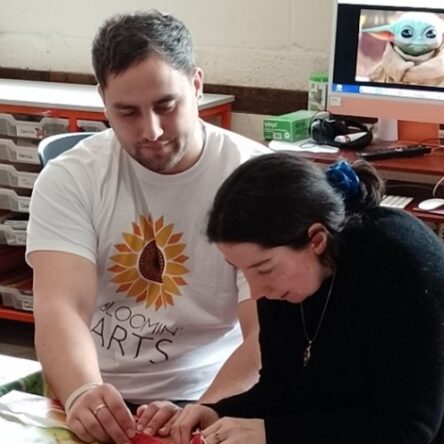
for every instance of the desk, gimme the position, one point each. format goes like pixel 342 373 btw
pixel 426 169
pixel 30 419
pixel 77 102
pixel 20 374
pixel 431 165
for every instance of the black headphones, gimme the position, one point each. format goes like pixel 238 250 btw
pixel 324 132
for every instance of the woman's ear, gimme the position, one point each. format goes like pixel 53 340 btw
pixel 318 236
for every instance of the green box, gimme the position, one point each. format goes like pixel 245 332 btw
pixel 317 91
pixel 289 127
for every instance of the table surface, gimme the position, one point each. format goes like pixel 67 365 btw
pixel 424 169
pixel 31 419
pixel 72 96
pixel 429 164
pixel 13 368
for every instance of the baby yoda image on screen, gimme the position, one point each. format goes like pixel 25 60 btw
pixel 413 50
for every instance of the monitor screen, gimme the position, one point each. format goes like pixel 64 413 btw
pixel 387 60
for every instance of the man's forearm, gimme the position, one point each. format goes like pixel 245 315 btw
pixel 66 351
pixel 239 373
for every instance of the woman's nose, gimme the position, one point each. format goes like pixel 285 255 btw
pixel 257 290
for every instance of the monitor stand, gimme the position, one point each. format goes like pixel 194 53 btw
pixel 392 130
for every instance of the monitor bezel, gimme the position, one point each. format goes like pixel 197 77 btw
pixel 413 109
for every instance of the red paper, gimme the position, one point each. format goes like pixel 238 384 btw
pixel 197 438
pixel 141 438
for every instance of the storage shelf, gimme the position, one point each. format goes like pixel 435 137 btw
pixel 16 315
pixel 73 108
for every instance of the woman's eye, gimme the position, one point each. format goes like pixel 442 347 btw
pixel 262 272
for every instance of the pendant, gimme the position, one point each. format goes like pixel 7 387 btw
pixel 307 354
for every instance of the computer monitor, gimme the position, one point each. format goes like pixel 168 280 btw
pixel 387 62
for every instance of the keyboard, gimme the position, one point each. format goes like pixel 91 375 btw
pixel 396 152
pixel 395 201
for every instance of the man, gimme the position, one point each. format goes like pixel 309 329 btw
pixel 130 301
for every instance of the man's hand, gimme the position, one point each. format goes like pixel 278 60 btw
pixel 157 417
pixel 101 415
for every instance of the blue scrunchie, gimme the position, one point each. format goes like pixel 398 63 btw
pixel 343 178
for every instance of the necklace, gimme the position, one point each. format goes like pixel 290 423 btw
pixel 307 351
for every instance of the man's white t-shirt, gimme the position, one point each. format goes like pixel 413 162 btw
pixel 166 314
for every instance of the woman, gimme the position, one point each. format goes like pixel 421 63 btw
pixel 351 309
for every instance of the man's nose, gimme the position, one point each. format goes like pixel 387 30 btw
pixel 152 127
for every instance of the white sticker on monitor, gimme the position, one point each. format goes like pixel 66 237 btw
pixel 335 101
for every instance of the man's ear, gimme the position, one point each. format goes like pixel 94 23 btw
pixel 318 236
pixel 198 82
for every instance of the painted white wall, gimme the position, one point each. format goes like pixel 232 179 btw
pixel 249 125
pixel 261 43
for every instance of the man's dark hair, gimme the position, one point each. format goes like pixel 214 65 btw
pixel 126 40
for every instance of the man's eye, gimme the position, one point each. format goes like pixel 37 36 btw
pixel 166 107
pixel 127 113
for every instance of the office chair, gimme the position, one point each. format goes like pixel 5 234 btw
pixel 52 146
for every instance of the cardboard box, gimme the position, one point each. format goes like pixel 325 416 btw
pixel 289 127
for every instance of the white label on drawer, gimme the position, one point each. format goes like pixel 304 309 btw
pixel 28 130
pixel 16 224
pixel 29 155
pixel 23 204
pixel 26 303
pixel 26 180
pixel 16 238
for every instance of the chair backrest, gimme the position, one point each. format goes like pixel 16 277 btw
pixel 52 146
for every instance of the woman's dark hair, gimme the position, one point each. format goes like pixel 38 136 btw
pixel 273 199
pixel 125 40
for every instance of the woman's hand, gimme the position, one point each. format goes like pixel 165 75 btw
pixel 192 417
pixel 235 431
pixel 101 415
pixel 157 417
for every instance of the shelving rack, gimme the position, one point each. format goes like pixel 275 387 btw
pixel 50 108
